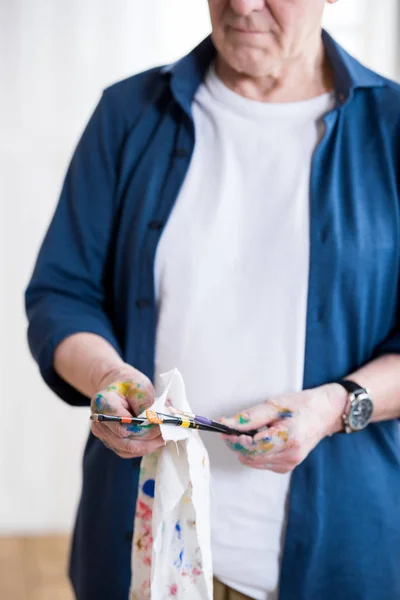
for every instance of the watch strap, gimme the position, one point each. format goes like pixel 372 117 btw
pixel 351 386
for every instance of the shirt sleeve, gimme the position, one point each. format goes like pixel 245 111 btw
pixel 66 293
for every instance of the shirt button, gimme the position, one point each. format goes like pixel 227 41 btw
pixel 180 153
pixel 155 225
pixel 142 303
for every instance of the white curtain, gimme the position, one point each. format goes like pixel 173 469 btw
pixel 57 56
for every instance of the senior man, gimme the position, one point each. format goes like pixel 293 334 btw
pixel 236 215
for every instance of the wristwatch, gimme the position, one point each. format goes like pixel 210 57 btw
pixel 359 409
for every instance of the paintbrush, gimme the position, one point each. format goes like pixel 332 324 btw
pixel 179 419
pixel 216 425
pixel 153 418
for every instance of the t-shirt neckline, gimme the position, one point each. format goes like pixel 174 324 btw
pixel 247 107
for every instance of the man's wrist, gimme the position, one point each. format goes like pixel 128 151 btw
pixel 85 359
pixel 338 399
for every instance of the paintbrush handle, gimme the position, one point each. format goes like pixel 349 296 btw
pixel 117 419
pixel 154 418
pixel 211 425
pixel 224 429
pixel 178 421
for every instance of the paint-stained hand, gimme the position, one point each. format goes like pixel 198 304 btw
pixel 127 393
pixel 289 427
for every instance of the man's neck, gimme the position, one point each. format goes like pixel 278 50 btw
pixel 300 79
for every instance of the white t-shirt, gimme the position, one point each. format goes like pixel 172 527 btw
pixel 231 279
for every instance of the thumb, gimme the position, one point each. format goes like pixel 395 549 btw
pixel 139 393
pixel 258 416
pixel 125 393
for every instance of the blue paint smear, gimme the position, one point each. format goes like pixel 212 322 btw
pixel 178 530
pixel 148 487
pixel 132 428
pixel 178 563
pixel 285 415
pixel 98 403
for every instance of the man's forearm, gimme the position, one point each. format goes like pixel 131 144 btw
pixel 84 360
pixel 382 378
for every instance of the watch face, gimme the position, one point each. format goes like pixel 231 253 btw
pixel 361 413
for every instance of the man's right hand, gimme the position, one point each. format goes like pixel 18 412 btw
pixel 126 393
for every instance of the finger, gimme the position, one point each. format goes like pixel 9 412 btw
pixel 280 468
pixel 142 447
pixel 134 395
pixel 133 431
pixel 269 442
pixel 278 434
pixel 125 398
pixel 144 432
pixel 137 451
pixel 106 403
pixel 139 393
pixel 125 446
pixel 102 434
pixel 284 460
pixel 258 416
pixel 246 447
pixel 272 460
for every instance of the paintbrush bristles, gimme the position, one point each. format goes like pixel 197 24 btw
pixel 176 411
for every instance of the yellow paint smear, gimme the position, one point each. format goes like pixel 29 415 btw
pixel 266 446
pixel 283 435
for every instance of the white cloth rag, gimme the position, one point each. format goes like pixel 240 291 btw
pixel 171 550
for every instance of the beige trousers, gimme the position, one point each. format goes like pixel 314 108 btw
pixel 223 592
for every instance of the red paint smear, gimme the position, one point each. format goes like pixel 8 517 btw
pixel 173 590
pixel 143 511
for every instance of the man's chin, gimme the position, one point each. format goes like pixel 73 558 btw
pixel 252 62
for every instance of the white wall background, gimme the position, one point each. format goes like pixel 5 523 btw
pixel 56 58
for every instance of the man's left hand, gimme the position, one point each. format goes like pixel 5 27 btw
pixel 290 427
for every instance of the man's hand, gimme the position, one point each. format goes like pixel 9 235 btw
pixel 125 393
pixel 291 426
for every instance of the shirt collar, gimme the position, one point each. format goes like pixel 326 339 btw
pixel 349 74
pixel 188 73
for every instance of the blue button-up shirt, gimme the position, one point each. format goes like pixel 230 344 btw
pixel 95 273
